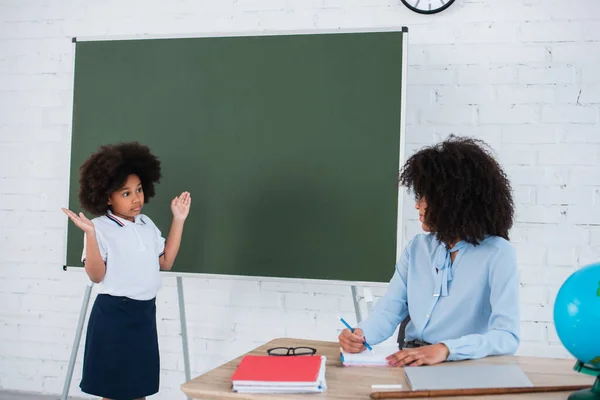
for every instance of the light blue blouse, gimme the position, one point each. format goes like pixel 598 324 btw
pixel 471 305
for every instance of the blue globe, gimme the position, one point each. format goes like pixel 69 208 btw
pixel 577 314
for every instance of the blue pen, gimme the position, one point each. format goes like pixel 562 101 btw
pixel 352 330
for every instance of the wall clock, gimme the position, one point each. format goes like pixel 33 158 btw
pixel 427 6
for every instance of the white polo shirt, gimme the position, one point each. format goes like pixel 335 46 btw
pixel 130 251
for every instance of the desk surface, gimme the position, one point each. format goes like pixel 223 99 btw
pixel 355 382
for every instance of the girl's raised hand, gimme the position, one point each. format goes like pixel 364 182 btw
pixel 180 206
pixel 81 221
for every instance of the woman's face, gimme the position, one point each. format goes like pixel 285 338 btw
pixel 421 205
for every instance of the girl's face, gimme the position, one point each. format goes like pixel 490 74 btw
pixel 127 202
pixel 421 205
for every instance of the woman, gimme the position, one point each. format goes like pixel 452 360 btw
pixel 458 282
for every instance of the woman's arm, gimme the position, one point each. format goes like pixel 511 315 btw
pixel 392 308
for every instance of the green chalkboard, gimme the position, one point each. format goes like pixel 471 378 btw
pixel 289 145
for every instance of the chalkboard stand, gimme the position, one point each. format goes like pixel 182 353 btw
pixel 80 322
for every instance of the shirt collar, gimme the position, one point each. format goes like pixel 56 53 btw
pixel 124 222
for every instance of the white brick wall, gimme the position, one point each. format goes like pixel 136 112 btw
pixel 521 74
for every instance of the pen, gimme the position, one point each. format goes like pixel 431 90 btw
pixel 352 330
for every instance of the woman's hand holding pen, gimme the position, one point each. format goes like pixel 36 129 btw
pixel 352 342
pixel 81 221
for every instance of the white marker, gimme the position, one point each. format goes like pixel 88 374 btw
pixel 385 387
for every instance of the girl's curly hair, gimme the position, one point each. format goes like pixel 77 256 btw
pixel 468 195
pixel 107 170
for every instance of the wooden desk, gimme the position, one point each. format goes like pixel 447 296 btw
pixel 355 382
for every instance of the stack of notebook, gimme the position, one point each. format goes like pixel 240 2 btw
pixel 280 374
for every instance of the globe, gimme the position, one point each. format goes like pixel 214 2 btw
pixel 577 322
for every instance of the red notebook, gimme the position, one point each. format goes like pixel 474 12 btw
pixel 278 369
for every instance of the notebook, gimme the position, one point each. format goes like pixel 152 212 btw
pixel 285 374
pixel 465 376
pixel 368 358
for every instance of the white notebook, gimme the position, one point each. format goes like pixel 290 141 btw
pixel 457 376
pixel 368 358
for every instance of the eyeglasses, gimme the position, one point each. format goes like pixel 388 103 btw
pixel 292 351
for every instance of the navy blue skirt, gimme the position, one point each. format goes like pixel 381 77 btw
pixel 121 360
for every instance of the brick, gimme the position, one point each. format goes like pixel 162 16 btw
pixel 589 74
pixel 254 298
pixel 584 215
pixel 486 75
pixel 424 76
pixel 536 313
pixel 552 335
pixel 547 275
pixel 576 53
pixel 570 114
pixel 590 94
pixel 282 19
pixel 420 135
pixel 562 255
pixel 582 134
pixel 533 331
pixel 417 56
pixel 461 54
pixel 530 254
pixel 567 154
pixel 518 233
pixel 529 134
pixel 428 34
pixel 419 95
pixel 449 115
pixel 595 236
pixel 542 350
pixel 551 235
pixel 517 155
pixel 524 94
pixel 532 295
pixel 490 134
pixel 524 194
pixel 587 255
pixel 545 214
pixel 529 75
pixel 294 301
pixel 515 114
pixel 472 94
pixel 585 176
pixel 488 33
pixel 569 94
pixel 551 31
pixel 565 195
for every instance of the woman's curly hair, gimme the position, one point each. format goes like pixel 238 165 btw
pixel 106 171
pixel 468 195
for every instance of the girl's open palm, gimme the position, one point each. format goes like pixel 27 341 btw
pixel 180 206
pixel 81 221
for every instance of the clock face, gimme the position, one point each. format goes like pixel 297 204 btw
pixel 427 6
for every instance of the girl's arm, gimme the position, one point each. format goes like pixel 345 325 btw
pixel 180 206
pixel 94 264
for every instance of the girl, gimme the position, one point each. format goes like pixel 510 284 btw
pixel 458 285
pixel 123 251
